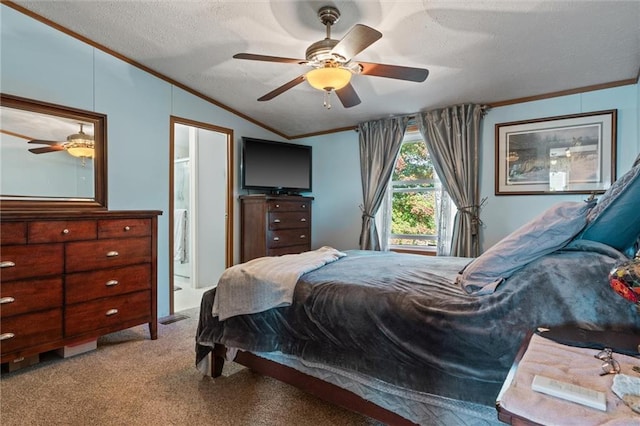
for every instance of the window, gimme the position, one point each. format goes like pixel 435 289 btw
pixel 416 201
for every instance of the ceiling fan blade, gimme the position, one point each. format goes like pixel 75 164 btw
pixel 46 149
pixel 355 41
pixel 41 142
pixel 394 71
pixel 348 96
pixel 282 88
pixel 253 57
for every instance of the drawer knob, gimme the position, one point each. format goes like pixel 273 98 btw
pixel 7 264
pixel 65 231
pixel 5 300
pixel 304 206
pixel 6 336
pixel 111 312
pixel 302 237
pixel 127 228
pixel 276 238
pixel 111 283
pixel 112 253
pixel 277 206
pixel 276 221
pixel 303 220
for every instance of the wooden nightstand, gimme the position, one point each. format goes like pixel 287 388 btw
pixel 518 404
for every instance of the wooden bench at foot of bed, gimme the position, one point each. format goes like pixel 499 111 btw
pixel 317 387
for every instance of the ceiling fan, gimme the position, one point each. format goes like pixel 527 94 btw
pixel 78 144
pixel 333 64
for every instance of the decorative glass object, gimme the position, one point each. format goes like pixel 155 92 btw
pixel 625 280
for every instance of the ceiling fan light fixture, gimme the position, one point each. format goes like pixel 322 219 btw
pixel 80 144
pixel 328 78
pixel 80 150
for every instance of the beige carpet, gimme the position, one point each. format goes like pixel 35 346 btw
pixel 131 380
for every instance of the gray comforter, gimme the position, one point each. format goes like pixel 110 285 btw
pixel 402 319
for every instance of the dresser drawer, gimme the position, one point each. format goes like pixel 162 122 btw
pixel 90 255
pixel 57 231
pixel 13 233
pixel 123 228
pixel 31 261
pixel 19 297
pixel 289 237
pixel 288 220
pixel 84 286
pixel 23 331
pixel 288 206
pixel 89 316
pixel 288 250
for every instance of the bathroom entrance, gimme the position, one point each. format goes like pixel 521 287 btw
pixel 200 209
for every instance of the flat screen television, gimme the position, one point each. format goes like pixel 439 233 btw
pixel 275 167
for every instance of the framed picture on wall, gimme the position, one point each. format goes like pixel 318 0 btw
pixel 556 155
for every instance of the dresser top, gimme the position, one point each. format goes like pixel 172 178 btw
pixel 76 214
pixel 275 197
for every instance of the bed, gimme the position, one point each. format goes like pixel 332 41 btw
pixel 410 339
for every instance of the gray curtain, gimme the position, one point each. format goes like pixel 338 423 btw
pixel 380 143
pixel 452 136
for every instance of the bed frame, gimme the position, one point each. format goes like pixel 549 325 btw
pixel 317 387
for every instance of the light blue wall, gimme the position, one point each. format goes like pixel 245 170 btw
pixel 503 214
pixel 42 63
pixel 337 190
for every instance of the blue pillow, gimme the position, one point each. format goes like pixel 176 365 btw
pixel 544 234
pixel 615 220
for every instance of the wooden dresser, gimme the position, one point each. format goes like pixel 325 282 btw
pixel 274 225
pixel 70 277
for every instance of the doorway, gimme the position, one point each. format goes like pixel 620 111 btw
pixel 200 209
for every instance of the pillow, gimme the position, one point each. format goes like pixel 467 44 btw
pixel 547 232
pixel 615 220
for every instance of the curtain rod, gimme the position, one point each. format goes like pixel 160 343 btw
pixel 413 116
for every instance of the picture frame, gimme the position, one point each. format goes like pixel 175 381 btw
pixel 556 155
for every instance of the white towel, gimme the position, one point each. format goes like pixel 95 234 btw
pixel 266 282
pixel 180 236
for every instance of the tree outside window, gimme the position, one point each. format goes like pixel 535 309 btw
pixel 416 194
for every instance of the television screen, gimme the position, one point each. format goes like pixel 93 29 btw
pixel 276 167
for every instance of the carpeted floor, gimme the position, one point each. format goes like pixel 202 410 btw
pixel 131 380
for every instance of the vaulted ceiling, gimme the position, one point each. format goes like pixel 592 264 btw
pixel 475 51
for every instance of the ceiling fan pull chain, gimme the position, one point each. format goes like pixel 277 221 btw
pixel 327 99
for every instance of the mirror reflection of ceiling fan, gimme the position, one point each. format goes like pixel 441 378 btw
pixel 78 144
pixel 333 65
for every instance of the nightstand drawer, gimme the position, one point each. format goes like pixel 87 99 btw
pixel 57 231
pixel 124 228
pixel 288 220
pixel 85 286
pixel 90 255
pixel 19 297
pixel 31 261
pixel 284 238
pixel 23 331
pixel 109 312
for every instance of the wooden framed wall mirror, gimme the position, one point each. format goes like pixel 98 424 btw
pixel 51 156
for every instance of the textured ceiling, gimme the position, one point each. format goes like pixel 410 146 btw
pixel 476 51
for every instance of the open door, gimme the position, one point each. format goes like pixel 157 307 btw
pixel 200 209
